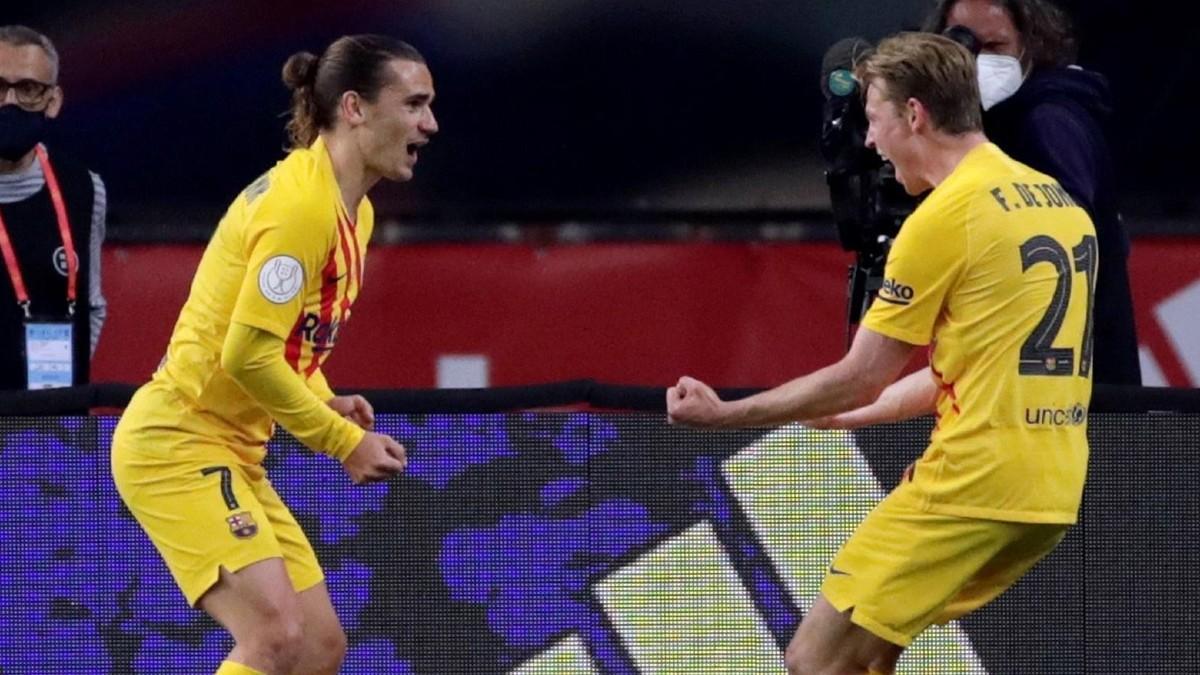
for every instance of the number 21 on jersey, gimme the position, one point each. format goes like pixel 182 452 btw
pixel 1038 355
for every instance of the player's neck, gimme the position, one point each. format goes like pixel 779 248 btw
pixel 947 152
pixel 353 177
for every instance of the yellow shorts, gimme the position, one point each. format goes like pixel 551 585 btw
pixel 905 569
pixel 205 509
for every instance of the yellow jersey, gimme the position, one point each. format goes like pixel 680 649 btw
pixel 286 258
pixel 996 271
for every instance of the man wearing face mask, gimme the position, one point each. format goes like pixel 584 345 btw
pixel 1047 113
pixel 52 213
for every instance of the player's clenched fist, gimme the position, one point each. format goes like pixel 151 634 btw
pixel 375 458
pixel 692 403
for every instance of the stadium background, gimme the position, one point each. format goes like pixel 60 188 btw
pixel 627 105
pixel 622 190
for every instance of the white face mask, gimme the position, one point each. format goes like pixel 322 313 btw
pixel 1000 77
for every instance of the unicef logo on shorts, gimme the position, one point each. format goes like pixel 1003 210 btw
pixel 280 278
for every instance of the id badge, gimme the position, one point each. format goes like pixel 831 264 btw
pixel 48 349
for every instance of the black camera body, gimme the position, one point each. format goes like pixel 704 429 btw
pixel 869 205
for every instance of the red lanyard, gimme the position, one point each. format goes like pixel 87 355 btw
pixel 64 228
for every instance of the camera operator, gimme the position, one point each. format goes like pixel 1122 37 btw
pixel 1049 114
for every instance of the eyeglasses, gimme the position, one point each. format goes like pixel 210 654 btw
pixel 29 93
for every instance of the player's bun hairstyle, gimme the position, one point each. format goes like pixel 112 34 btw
pixel 355 63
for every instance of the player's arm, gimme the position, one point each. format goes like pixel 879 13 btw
pixel 874 362
pixel 911 396
pixel 318 385
pixel 924 264
pixel 285 252
pixel 254 358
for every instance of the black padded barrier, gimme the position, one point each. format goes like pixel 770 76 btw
pixel 599 395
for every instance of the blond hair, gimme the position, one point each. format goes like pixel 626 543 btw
pixel 937 71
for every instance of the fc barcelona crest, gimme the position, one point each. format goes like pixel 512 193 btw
pixel 242 525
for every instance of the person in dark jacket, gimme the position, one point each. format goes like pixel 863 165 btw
pixel 1048 113
pixel 52 218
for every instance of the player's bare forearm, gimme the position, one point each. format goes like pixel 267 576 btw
pixel 915 395
pixel 912 396
pixel 873 363
pixel 828 391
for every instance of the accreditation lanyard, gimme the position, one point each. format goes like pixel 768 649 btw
pixel 48 344
pixel 64 229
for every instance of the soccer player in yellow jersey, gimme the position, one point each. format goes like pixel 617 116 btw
pixel 994 272
pixel 273 291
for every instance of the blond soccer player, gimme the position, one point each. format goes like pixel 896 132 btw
pixel 994 273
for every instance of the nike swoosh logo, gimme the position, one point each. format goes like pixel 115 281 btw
pixel 334 280
pixel 835 571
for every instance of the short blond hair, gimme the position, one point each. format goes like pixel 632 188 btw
pixel 937 71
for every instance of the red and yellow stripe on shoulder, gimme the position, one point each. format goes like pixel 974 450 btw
pixel 326 310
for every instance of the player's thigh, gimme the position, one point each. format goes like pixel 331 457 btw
pixel 903 565
pixel 324 642
pixel 828 641
pixel 254 599
pixel 198 506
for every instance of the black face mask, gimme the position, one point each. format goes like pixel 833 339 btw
pixel 20 130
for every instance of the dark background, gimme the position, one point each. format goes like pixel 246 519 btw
pixel 573 105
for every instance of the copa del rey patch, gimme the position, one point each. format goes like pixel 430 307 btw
pixel 280 278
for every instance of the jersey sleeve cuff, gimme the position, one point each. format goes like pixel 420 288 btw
pixel 345 440
pixel 897 333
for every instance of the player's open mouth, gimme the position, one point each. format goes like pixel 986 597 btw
pixel 412 150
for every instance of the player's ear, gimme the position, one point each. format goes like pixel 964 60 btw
pixel 915 114
pixel 350 108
